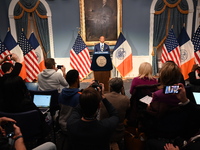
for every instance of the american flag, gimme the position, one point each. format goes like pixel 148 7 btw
pixel 3 52
pixel 196 42
pixel 80 58
pixel 30 58
pixel 171 49
pixel 38 51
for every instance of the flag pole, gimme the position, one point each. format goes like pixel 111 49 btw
pixel 79 30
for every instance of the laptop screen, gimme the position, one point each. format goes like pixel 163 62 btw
pixel 197 97
pixel 42 100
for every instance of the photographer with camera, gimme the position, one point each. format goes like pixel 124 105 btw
pixel 5 58
pixel 50 78
pixel 193 111
pixel 17 137
pixel 164 120
pixel 95 84
pixel 194 77
pixel 8 68
pixel 84 130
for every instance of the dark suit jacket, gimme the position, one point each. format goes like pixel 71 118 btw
pixel 97 48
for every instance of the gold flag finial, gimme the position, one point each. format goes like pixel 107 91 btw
pixel 79 30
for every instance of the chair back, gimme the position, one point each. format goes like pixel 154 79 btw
pixel 165 121
pixel 141 91
pixel 29 123
pixel 135 105
pixel 189 94
pixel 32 86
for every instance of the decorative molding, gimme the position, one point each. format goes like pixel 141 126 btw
pixel 197 22
pixel 13 27
pixel 83 23
pixel 189 22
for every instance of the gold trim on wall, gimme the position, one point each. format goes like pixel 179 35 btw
pixel 91 42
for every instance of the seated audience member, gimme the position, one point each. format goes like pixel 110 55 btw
pixel 17 101
pixel 165 120
pixel 84 130
pixel 50 79
pixel 194 112
pixel 18 138
pixel 10 69
pixel 194 77
pixel 14 99
pixel 121 103
pixel 169 74
pixel 145 77
pixel 69 97
pixel 181 79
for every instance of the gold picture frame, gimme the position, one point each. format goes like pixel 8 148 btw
pixel 100 18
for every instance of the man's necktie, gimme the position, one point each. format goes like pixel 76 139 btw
pixel 102 47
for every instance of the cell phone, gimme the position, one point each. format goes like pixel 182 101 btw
pixel 8 126
pixel 171 89
pixel 59 66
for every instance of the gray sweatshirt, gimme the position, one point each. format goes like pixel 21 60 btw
pixel 49 79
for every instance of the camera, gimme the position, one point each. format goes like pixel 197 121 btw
pixel 171 89
pixel 8 127
pixel 59 66
pixel 95 85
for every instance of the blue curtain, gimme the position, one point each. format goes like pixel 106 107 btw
pixel 168 13
pixel 42 26
pixel 34 8
pixel 21 23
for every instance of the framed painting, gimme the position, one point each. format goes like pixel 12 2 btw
pixel 100 18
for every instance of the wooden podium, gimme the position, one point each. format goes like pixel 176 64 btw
pixel 101 66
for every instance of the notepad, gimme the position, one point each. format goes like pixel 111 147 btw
pixel 147 99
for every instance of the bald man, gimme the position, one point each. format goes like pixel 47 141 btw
pixel 102 47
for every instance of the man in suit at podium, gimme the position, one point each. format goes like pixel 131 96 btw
pixel 101 47
pixel 101 63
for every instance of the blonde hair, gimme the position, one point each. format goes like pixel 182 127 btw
pixel 145 70
pixel 170 73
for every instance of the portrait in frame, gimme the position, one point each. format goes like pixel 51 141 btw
pixel 100 18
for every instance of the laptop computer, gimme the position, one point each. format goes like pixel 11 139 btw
pixel 42 102
pixel 197 97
